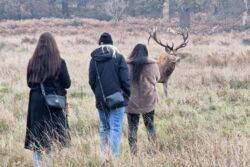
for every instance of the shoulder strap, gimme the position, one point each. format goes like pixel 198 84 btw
pixel 99 80
pixel 44 94
pixel 42 89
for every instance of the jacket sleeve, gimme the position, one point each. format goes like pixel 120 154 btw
pixel 64 76
pixel 124 77
pixel 92 75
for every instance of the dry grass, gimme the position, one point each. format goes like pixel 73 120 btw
pixel 205 121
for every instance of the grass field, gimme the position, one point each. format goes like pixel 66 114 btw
pixel 205 121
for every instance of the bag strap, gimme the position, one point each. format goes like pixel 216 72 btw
pixel 42 89
pixel 44 94
pixel 99 80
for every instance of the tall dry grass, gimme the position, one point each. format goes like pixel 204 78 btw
pixel 205 121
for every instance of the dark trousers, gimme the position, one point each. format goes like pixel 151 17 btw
pixel 133 122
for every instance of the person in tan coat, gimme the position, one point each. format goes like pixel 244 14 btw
pixel 144 74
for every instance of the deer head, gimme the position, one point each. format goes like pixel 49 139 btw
pixel 167 61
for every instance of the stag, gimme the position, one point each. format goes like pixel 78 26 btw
pixel 168 60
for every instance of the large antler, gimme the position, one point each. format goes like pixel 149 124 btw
pixel 185 40
pixel 168 48
pixel 153 35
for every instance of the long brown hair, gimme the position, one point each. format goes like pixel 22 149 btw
pixel 46 61
pixel 138 58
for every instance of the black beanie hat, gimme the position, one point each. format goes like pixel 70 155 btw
pixel 105 39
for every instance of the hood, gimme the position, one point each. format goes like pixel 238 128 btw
pixel 104 53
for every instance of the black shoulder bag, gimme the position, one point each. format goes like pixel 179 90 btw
pixel 53 100
pixel 113 101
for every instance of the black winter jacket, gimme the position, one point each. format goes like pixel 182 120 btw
pixel 113 72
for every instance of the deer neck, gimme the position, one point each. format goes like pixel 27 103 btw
pixel 166 66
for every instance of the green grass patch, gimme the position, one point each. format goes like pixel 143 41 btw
pixel 4 127
pixel 79 95
pixel 4 89
pixel 239 84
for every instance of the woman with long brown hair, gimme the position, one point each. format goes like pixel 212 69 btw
pixel 47 126
pixel 144 74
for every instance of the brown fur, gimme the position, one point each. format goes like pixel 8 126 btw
pixel 166 63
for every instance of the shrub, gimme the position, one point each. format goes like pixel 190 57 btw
pixel 218 60
pixel 246 41
pixel 2 45
pixel 3 89
pixel 116 9
pixel 4 126
pixel 148 8
pixel 76 23
pixel 82 41
pixel 28 40
pixel 239 84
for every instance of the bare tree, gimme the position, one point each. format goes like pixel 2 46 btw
pixel 65 8
pixel 185 14
pixel 244 17
pixel 52 2
pixel 131 5
pixel 165 10
pixel 171 8
pixel 211 6
pixel 116 9
pixel 82 3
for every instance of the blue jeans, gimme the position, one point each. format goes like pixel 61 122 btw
pixel 111 130
pixel 39 160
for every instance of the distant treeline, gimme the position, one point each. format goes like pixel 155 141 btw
pixel 112 9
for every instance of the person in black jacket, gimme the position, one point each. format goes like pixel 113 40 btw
pixel 114 77
pixel 46 126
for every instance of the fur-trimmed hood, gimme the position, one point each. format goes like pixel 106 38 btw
pixel 104 53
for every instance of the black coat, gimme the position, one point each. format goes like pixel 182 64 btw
pixel 46 127
pixel 113 71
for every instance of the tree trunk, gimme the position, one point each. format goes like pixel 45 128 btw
pixel 19 11
pixel 244 17
pixel 131 5
pixel 171 9
pixel 165 10
pixel 184 14
pixel 52 8
pixel 212 7
pixel 52 2
pixel 82 3
pixel 65 8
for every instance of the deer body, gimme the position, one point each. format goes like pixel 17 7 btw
pixel 167 61
pixel 166 65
